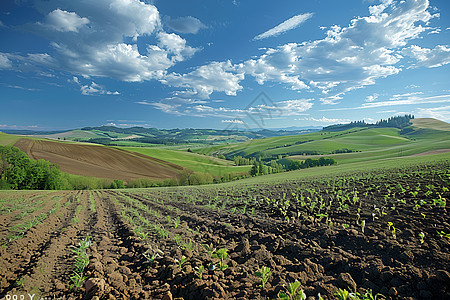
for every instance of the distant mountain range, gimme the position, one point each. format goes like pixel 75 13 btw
pixel 109 135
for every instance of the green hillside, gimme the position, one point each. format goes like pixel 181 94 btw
pixel 352 145
pixel 8 139
pixel 192 161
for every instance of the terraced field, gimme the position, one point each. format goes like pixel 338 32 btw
pixel 383 230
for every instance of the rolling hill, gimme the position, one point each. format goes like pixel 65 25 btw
pixel 355 144
pixel 98 161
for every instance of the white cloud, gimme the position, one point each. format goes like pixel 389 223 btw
pixel 61 20
pixel 287 25
pixel 234 121
pixel 263 111
pixel 404 99
pixel 175 45
pixel 371 98
pixel 441 113
pixel 5 63
pixel 203 81
pixel 93 88
pixel 430 58
pixel 324 120
pixel 105 43
pixel 349 57
pixel 185 24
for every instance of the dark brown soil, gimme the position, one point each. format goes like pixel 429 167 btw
pixel 272 225
pixel 98 161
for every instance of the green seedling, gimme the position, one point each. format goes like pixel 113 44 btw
pixel 176 222
pixel 77 280
pixel 345 226
pixel 392 229
pixel 342 294
pixel 188 246
pixel 443 234
pixel 181 261
pixel 263 273
pixel 199 271
pixel 293 292
pixel 222 255
pixel 19 282
pixel 210 249
pixel 421 237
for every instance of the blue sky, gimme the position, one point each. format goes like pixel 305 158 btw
pixel 217 63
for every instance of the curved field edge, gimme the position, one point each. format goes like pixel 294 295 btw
pixel 192 161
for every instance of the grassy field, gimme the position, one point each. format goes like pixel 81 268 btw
pixel 192 161
pixel 8 139
pixel 345 169
pixel 359 139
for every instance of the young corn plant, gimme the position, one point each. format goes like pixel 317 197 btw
pixel 292 292
pixel 222 255
pixel 181 261
pixel 210 249
pixel 81 262
pixel 392 229
pixel 421 237
pixel 176 222
pixel 199 270
pixel 263 273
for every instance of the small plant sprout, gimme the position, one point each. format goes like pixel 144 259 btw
pixel 443 234
pixel 263 273
pixel 210 249
pixel 363 224
pixel 293 292
pixel 222 255
pixel 198 271
pixel 392 229
pixel 342 294
pixel 421 237
pixel 176 222
pixel 181 261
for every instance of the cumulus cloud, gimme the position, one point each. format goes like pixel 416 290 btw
pixel 349 57
pixel 5 63
pixel 204 80
pixel 287 25
pixel 93 88
pixel 99 38
pixel 263 110
pixel 185 24
pixel 61 20
pixel 430 58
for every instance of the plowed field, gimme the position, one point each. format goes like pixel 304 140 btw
pixel 387 231
pixel 98 161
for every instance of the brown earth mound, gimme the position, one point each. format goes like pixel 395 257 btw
pixel 98 161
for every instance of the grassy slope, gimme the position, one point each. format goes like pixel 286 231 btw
pixel 431 135
pixel 361 139
pixel 8 139
pixel 193 161
pixel 257 145
pixel 429 123
pixel 312 173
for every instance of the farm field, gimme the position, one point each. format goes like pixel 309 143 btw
pixel 98 161
pixel 386 230
pixel 192 161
